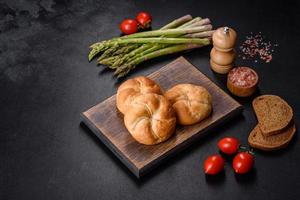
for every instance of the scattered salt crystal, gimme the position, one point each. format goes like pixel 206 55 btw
pixel 255 47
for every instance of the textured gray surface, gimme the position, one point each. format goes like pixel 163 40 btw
pixel 46 81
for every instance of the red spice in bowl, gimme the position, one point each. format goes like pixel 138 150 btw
pixel 242 76
pixel 242 81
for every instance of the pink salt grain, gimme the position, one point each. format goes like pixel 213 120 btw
pixel 256 47
pixel 242 77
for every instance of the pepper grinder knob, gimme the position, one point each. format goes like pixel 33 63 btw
pixel 226 30
pixel 224 39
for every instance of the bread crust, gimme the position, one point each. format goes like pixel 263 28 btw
pixel 192 103
pixel 274 142
pixel 132 88
pixel 273 113
pixel 150 119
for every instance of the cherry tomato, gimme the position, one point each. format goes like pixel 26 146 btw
pixel 129 26
pixel 213 164
pixel 229 145
pixel 144 19
pixel 243 162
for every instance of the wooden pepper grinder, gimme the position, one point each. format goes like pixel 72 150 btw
pixel 222 55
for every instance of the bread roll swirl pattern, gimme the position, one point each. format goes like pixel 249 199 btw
pixel 150 119
pixel 191 103
pixel 133 88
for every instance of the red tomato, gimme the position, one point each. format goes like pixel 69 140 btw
pixel 213 164
pixel 229 145
pixel 129 26
pixel 243 162
pixel 144 19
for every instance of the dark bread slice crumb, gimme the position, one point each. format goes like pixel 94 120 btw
pixel 273 113
pixel 274 142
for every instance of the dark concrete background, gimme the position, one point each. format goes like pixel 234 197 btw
pixel 46 81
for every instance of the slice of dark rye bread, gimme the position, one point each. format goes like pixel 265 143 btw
pixel 273 113
pixel 274 142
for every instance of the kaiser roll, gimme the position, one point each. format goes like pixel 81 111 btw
pixel 133 88
pixel 150 119
pixel 192 103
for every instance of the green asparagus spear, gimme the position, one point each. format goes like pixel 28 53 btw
pixel 163 32
pixel 177 22
pixel 126 49
pixel 159 41
pixel 98 47
pixel 124 70
pixel 108 61
pixel 108 52
pixel 148 47
pixel 181 22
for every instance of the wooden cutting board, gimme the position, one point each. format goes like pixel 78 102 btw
pixel 107 123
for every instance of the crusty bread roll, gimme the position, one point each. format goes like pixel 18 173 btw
pixel 192 103
pixel 150 119
pixel 132 88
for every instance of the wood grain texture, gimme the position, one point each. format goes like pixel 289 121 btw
pixel 107 123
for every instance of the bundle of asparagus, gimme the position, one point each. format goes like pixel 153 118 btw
pixel 124 53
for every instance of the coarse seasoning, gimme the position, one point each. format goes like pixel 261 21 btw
pixel 242 77
pixel 255 47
